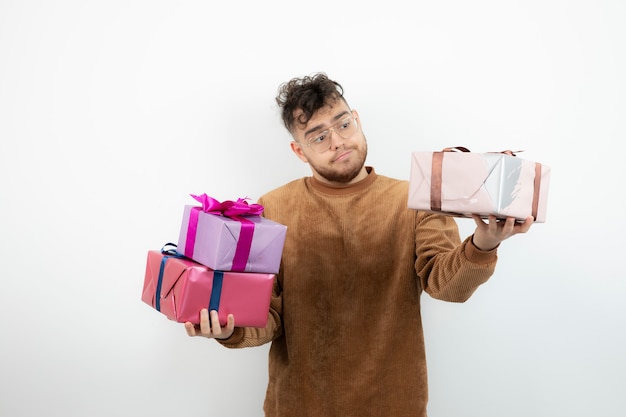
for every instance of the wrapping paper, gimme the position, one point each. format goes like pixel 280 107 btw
pixel 231 241
pixel 179 288
pixel 464 183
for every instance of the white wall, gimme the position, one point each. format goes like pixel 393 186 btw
pixel 112 112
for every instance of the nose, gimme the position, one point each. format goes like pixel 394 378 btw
pixel 336 141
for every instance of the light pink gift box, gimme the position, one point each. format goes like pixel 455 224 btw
pixel 179 288
pixel 465 183
pixel 213 240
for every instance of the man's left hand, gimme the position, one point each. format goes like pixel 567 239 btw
pixel 488 235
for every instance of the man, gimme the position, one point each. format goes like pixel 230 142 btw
pixel 344 320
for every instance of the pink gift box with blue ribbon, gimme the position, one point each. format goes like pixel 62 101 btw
pixel 231 236
pixel 179 288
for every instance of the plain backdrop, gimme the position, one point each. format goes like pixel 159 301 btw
pixel 113 112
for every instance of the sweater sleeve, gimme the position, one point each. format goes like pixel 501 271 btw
pixel 448 269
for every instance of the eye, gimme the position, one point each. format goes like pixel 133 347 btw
pixel 319 138
pixel 345 125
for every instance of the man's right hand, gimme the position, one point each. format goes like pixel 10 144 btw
pixel 211 328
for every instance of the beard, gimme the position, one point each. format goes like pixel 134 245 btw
pixel 344 172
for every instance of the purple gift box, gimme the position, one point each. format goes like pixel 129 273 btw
pixel 231 236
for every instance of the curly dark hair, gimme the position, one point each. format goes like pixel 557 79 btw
pixel 309 94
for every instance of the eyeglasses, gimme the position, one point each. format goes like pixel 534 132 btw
pixel 320 141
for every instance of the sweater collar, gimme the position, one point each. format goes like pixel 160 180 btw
pixel 352 188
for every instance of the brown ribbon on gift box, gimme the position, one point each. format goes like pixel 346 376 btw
pixel 436 178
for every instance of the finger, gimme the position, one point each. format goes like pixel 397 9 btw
pixel 508 226
pixel 205 324
pixel 230 324
pixel 478 220
pixel 190 328
pixel 524 227
pixel 216 328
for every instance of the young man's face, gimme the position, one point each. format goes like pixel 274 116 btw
pixel 333 144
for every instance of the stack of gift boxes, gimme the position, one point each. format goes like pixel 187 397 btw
pixel 226 260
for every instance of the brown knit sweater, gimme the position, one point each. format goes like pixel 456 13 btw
pixel 345 321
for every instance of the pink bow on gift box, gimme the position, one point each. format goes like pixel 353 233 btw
pixel 228 208
pixel 236 210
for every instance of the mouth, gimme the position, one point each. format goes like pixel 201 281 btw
pixel 343 155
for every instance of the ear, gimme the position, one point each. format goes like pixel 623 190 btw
pixel 355 114
pixel 297 149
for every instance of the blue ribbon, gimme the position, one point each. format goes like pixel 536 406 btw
pixel 171 253
pixel 216 290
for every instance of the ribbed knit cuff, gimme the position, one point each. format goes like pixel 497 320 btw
pixel 479 256
pixel 234 338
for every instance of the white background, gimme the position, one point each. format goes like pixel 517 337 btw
pixel 113 112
